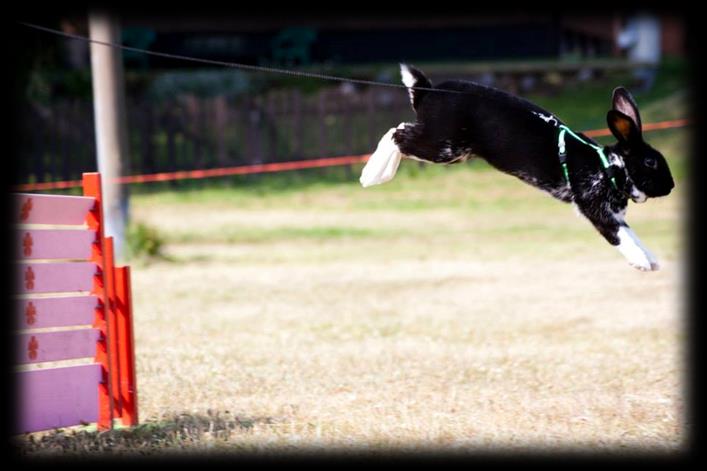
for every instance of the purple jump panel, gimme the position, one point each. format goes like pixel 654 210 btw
pixel 53 244
pixel 55 346
pixel 55 277
pixel 57 397
pixel 38 313
pixel 51 209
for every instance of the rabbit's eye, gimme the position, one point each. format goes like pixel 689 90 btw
pixel 650 162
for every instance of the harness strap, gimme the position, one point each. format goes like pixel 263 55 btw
pixel 562 153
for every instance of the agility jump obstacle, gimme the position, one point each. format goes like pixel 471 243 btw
pixel 72 303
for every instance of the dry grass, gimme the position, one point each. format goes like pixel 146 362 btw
pixel 483 315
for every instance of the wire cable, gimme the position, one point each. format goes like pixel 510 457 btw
pixel 236 65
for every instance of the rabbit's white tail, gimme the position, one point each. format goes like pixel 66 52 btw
pixel 413 77
pixel 383 163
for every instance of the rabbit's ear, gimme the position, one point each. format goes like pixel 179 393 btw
pixel 623 101
pixel 623 127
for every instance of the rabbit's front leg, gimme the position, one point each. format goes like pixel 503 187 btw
pixel 635 252
pixel 613 227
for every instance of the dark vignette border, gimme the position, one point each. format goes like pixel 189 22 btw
pixel 695 289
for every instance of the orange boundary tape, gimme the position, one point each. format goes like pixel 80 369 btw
pixel 281 166
pixel 675 123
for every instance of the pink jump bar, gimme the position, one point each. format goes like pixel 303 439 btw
pixel 54 244
pixel 56 346
pixel 57 397
pixel 37 313
pixel 56 277
pixel 51 209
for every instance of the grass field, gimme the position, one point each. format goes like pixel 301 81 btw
pixel 454 308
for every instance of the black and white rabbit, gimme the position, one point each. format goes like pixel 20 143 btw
pixel 519 138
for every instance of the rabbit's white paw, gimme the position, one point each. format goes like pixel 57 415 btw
pixel 637 255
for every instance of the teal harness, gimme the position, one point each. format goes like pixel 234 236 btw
pixel 563 154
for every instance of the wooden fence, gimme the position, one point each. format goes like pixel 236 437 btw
pixel 189 132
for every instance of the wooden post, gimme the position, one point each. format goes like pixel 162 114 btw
pixel 110 122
